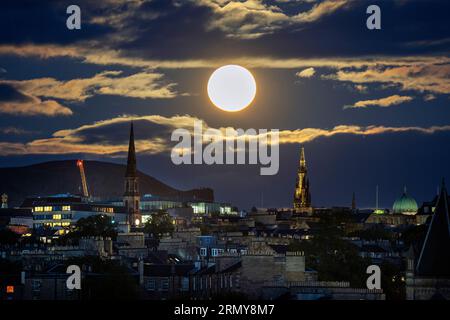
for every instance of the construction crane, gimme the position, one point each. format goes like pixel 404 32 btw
pixel 80 166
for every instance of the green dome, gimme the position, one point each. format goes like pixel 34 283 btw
pixel 405 205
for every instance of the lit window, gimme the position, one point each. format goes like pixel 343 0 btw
pixel 56 217
pixel 66 208
pixel 9 289
pixel 48 208
pixel 38 209
pixel 36 285
pixel 165 284
pixel 151 285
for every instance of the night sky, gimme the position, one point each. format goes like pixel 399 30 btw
pixel 371 107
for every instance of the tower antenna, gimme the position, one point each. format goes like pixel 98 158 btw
pixel 376 197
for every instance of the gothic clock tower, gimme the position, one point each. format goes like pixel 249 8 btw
pixel 302 195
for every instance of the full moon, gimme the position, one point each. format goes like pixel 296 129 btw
pixel 231 88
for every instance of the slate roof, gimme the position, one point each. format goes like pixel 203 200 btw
pixel 434 259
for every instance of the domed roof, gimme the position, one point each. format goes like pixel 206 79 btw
pixel 405 205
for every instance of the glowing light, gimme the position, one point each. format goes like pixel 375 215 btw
pixel 231 88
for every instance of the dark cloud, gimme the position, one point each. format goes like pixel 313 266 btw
pixel 180 32
pixel 10 94
pixel 29 21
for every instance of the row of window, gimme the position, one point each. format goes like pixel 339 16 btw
pixel 226 281
pixel 51 208
pixel 153 285
pixel 51 224
pixel 160 205
pixel 217 252
pixel 52 216
pixel 162 284
pixel 104 209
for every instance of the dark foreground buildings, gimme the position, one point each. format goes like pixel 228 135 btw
pixel 428 270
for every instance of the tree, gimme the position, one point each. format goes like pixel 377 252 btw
pixel 334 258
pixel 93 226
pixel 376 232
pixel 8 237
pixel 107 280
pixel 159 224
pixel 392 281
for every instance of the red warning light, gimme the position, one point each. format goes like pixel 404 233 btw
pixel 9 289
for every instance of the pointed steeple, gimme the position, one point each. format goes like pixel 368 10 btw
pixel 131 196
pixel 302 195
pixel 434 259
pixel 302 159
pixel 131 162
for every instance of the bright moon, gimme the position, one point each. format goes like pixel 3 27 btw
pixel 231 88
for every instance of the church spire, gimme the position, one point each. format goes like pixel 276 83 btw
pixel 131 162
pixel 302 159
pixel 302 196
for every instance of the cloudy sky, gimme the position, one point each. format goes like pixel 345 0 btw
pixel 370 107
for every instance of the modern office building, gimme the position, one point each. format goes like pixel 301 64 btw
pixel 63 210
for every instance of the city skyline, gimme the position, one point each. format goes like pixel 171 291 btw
pixel 224 157
pixel 369 106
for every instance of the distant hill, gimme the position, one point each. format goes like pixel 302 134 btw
pixel 105 180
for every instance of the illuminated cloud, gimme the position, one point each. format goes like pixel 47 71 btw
pixel 16 102
pixel 251 19
pixel 360 87
pixel 90 53
pixel 244 19
pixel 306 73
pixel 383 102
pixel 154 136
pixel 320 10
pixel 309 134
pixel 140 85
pixel 431 77
pixel 14 131
pixel 36 107
pixel 427 74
